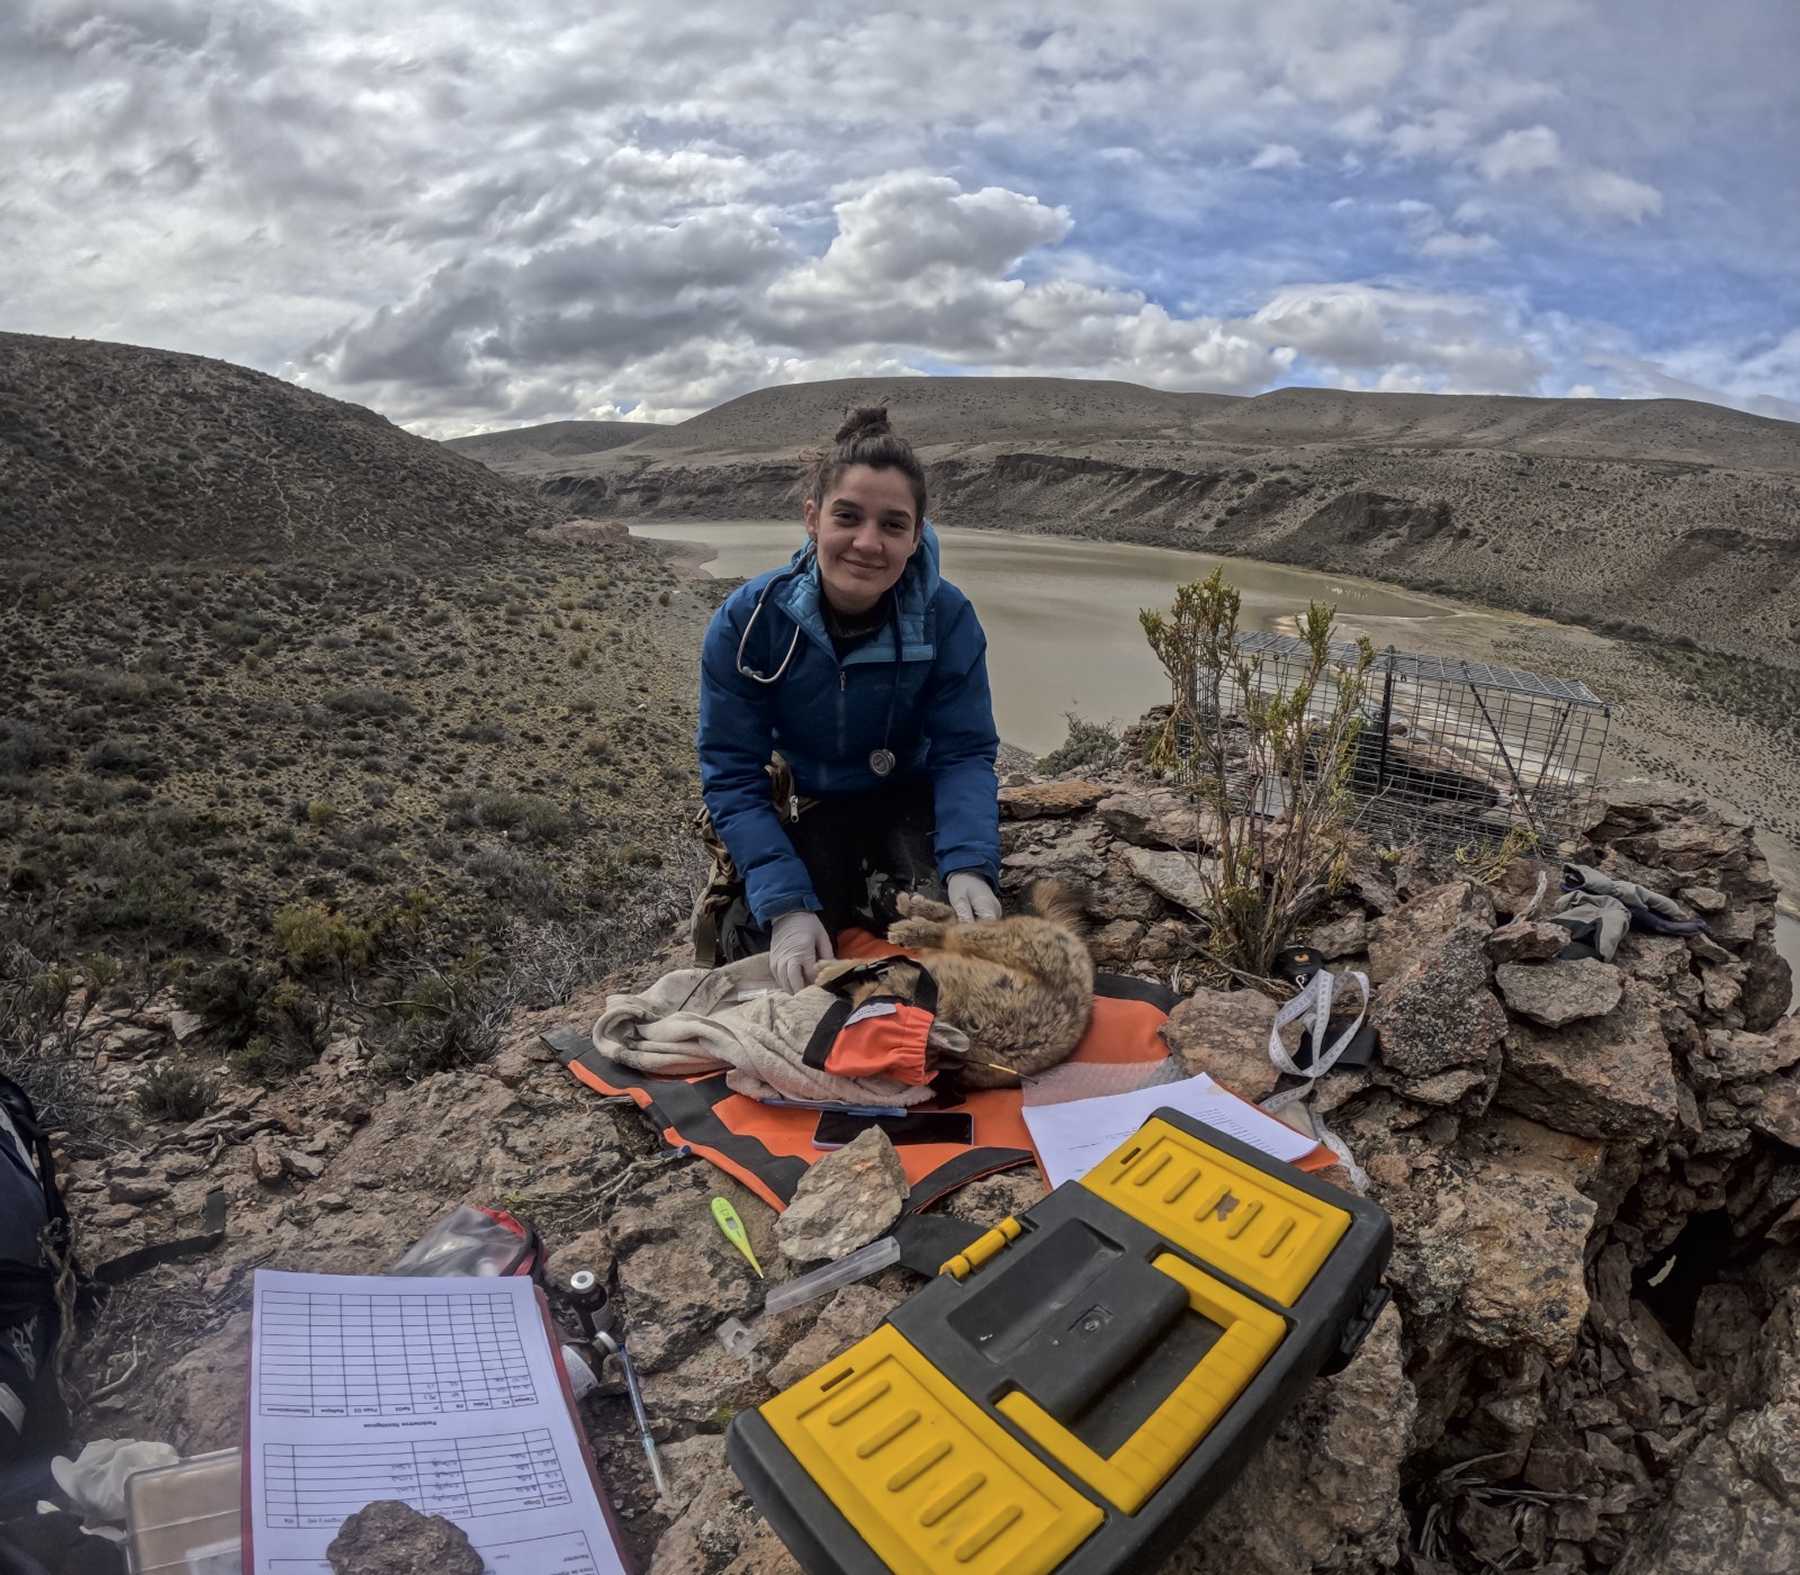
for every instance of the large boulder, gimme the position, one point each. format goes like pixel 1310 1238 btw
pixel 1490 1242
pixel 1342 1512
pixel 1159 818
pixel 1556 994
pixel 1433 1010
pixel 1225 1033
pixel 1457 916
pixel 1605 1077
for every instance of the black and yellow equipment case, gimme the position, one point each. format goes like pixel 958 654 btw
pixel 1075 1387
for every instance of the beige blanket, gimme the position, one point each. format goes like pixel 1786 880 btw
pixel 697 1020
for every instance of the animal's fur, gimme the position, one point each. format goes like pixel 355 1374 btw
pixel 1021 988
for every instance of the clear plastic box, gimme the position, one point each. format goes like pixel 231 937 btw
pixel 186 1519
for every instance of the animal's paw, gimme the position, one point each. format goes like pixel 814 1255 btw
pixel 915 906
pixel 915 932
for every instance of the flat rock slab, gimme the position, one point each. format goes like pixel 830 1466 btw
pixel 1555 994
pixel 845 1201
pixel 1170 875
pixel 1039 800
pixel 389 1537
pixel 1161 818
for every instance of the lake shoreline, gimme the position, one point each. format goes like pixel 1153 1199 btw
pixel 1662 726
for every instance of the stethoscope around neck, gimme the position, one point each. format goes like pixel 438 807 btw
pixel 881 761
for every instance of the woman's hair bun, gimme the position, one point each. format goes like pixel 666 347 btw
pixel 868 421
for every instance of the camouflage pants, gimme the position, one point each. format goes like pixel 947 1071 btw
pixel 860 850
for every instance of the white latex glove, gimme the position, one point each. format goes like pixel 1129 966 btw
pixel 94 1480
pixel 797 945
pixel 972 897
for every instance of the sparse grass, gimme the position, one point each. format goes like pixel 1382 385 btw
pixel 274 826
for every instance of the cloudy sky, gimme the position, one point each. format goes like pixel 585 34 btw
pixel 477 215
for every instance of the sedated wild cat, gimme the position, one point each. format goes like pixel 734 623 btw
pixel 1021 988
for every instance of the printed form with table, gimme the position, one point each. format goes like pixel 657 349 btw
pixel 444 1393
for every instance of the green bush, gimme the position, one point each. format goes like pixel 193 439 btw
pixel 115 758
pixel 23 746
pixel 174 1093
pixel 521 814
pixel 1088 744
pixel 230 997
pixel 312 937
pixel 367 701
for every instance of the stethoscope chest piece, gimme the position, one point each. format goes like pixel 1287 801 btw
pixel 881 762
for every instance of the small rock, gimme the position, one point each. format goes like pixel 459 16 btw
pixel 1526 940
pixel 329 1202
pixel 265 1162
pixel 184 1025
pixel 1456 916
pixel 1344 938
pixel 124 1190
pixel 1705 899
pixel 844 1201
pixel 1734 1056
pixel 1557 993
pixel 303 1167
pixel 1225 1033
pixel 1115 945
pixel 178 1167
pixel 513 1067
pixel 389 1537
pixel 1039 800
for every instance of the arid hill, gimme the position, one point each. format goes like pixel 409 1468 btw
pixel 552 440
pixel 1669 520
pixel 116 451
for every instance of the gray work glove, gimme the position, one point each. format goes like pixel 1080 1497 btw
pixel 797 945
pixel 972 897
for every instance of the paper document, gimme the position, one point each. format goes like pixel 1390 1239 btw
pixel 1073 1137
pixel 441 1392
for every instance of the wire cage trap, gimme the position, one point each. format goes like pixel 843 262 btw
pixel 1451 751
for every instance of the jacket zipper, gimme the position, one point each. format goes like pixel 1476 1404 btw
pixel 842 707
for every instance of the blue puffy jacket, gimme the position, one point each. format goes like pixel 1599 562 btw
pixel 826 717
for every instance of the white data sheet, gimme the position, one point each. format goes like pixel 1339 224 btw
pixel 1073 1137
pixel 439 1391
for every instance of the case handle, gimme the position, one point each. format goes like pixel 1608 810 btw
pixel 1140 1465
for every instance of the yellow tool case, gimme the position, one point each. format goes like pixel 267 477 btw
pixel 1076 1386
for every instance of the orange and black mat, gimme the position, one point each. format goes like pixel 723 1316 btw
pixel 769 1147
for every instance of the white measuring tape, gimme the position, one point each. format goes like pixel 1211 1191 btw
pixel 1314 1000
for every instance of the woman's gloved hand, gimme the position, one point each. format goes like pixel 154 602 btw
pixel 972 897
pixel 797 945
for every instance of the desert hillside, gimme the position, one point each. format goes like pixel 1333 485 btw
pixel 126 452
pixel 1668 520
pixel 552 440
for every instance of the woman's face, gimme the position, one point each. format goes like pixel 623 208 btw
pixel 865 531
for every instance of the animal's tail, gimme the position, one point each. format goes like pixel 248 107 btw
pixel 1060 903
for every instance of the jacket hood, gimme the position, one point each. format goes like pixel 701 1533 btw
pixel 916 589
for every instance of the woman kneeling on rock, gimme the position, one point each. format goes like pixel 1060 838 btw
pixel 868 674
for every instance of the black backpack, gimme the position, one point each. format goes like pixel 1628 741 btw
pixel 34 1233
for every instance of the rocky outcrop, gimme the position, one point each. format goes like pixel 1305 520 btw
pixel 1593 1171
